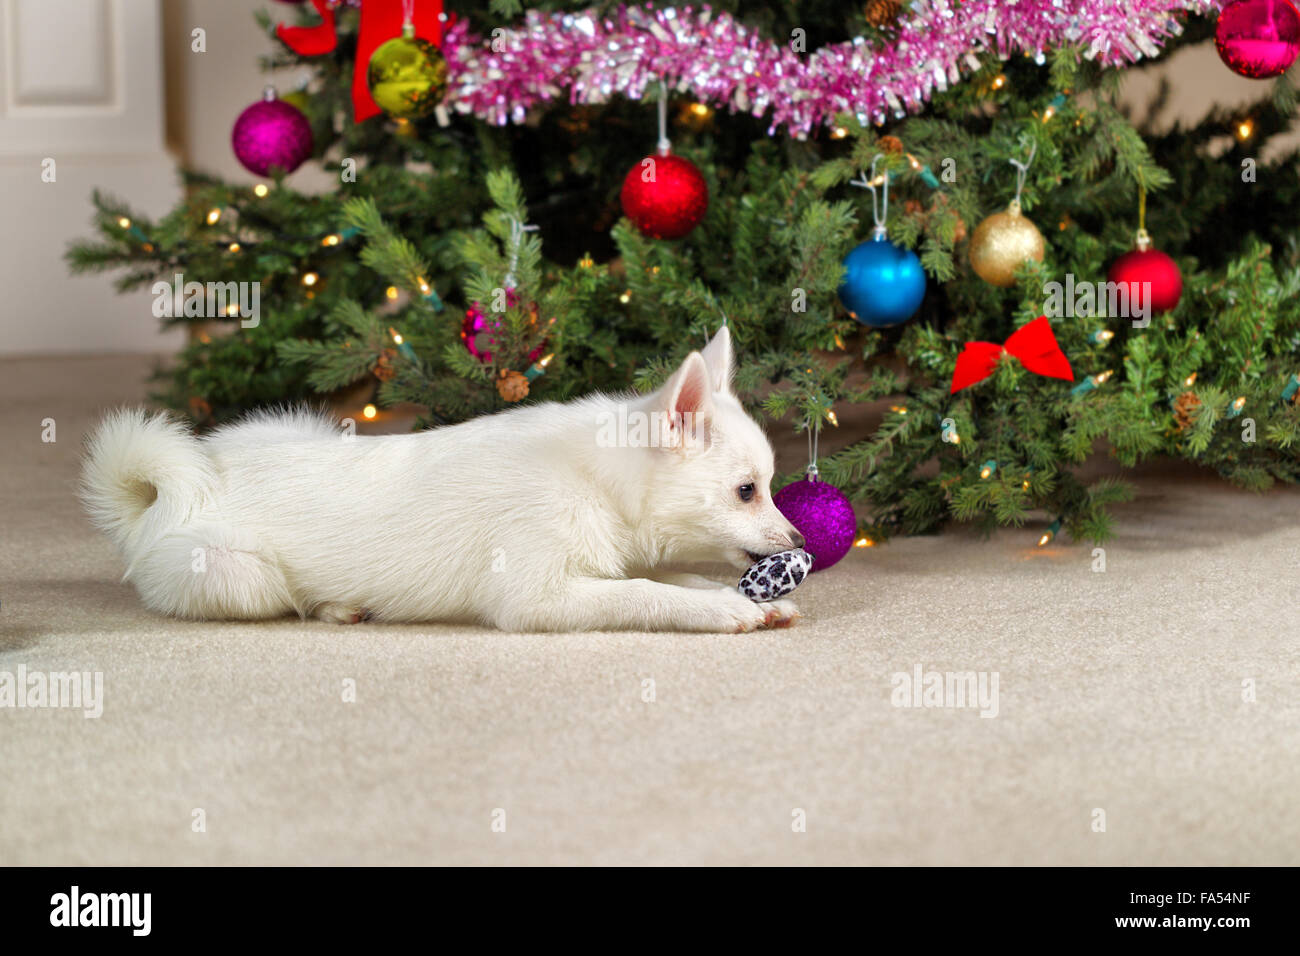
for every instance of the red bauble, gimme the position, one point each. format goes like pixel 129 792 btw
pixel 1258 38
pixel 1149 266
pixel 665 196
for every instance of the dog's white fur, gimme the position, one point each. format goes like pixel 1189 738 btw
pixel 521 519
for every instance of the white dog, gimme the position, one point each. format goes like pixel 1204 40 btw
pixel 532 519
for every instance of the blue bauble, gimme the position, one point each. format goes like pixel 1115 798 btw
pixel 883 283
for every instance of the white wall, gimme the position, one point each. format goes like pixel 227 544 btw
pixel 112 90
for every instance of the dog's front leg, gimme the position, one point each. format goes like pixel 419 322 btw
pixel 683 579
pixel 591 604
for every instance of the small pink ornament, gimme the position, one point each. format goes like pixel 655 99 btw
pixel 479 333
pixel 1258 38
pixel 476 332
pixel 270 133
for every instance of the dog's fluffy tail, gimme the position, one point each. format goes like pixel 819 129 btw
pixel 144 475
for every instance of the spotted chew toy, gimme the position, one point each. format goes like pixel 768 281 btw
pixel 775 575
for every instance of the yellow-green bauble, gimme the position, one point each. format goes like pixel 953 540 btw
pixel 407 77
pixel 297 99
pixel 1001 243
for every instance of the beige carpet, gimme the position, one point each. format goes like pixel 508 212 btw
pixel 1120 691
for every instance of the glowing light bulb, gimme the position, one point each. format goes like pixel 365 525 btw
pixel 830 417
pixel 369 411
pixel 864 542
pixel 839 132
pixel 1245 129
pixel 260 190
pixel 999 81
pixel 1189 381
pixel 391 292
pixel 626 297
pixel 333 239
pixel 213 216
pixel 310 279
pixel 124 223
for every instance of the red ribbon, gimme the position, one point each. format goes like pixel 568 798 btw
pixel 1033 344
pixel 311 41
pixel 381 21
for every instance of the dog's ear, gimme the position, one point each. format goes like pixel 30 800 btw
pixel 687 404
pixel 719 358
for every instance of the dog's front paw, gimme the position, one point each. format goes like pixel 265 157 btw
pixel 779 614
pixel 334 612
pixel 738 614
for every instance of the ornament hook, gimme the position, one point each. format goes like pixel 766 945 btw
pixel 1022 170
pixel 877 202
pixel 664 145
pixel 517 230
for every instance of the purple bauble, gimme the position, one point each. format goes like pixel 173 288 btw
pixel 1258 38
pixel 271 133
pixel 824 517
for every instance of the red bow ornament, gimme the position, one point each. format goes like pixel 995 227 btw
pixel 1033 344
pixel 381 20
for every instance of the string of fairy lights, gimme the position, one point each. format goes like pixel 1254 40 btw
pixel 1243 129
pixel 308 279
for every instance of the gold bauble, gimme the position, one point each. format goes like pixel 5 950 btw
pixel 407 77
pixel 298 99
pixel 1001 243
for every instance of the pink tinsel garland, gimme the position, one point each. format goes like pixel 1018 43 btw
pixel 718 60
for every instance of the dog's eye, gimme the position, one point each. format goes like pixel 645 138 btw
pixel 746 492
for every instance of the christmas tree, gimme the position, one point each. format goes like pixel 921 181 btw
pixel 879 201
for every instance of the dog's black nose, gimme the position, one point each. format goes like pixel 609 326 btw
pixel 796 540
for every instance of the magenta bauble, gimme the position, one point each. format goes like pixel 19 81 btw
pixel 1258 38
pixel 479 333
pixel 665 196
pixel 271 133
pixel 823 515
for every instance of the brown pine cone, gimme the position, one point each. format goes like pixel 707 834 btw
pixel 199 408
pixel 959 231
pixel 383 369
pixel 881 13
pixel 1186 406
pixel 513 386
pixel 890 144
